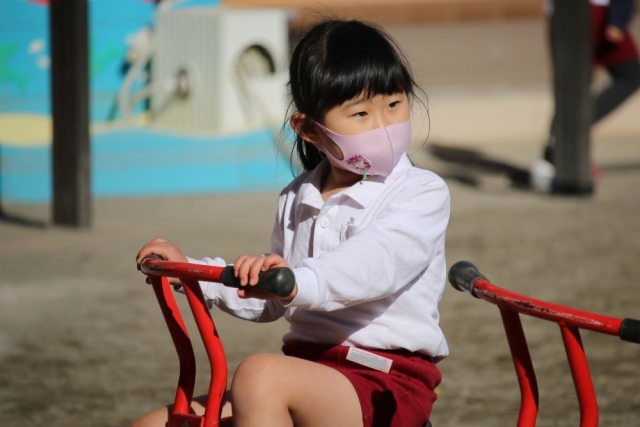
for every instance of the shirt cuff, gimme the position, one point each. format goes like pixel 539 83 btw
pixel 307 283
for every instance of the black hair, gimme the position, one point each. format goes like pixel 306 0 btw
pixel 336 61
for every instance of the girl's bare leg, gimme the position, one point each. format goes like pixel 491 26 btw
pixel 273 390
pixel 159 416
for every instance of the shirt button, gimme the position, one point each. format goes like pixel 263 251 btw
pixel 324 223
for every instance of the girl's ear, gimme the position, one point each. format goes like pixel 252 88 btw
pixel 306 128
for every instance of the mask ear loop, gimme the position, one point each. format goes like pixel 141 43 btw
pixel 391 142
pixel 327 149
pixel 411 137
pixel 386 132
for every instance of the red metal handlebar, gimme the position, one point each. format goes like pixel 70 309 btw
pixel 189 274
pixel 158 267
pixel 544 310
pixel 465 276
pixel 570 322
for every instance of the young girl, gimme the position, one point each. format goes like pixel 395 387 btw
pixel 364 232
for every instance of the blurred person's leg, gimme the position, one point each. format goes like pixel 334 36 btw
pixel 625 80
pixel 622 64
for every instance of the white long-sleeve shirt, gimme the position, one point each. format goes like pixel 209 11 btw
pixel 369 262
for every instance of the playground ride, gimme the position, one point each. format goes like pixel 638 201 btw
pixel 463 276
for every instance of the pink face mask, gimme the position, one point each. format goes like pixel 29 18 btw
pixel 374 152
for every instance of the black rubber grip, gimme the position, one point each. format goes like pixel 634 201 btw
pixel 630 330
pixel 280 281
pixel 462 275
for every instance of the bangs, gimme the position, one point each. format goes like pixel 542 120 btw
pixel 361 62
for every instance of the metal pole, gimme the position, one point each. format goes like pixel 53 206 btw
pixel 571 32
pixel 68 22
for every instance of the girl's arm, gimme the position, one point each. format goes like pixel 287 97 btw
pixel 383 257
pixel 227 299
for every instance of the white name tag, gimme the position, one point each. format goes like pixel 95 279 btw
pixel 370 360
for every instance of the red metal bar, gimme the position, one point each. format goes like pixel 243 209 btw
pixel 214 349
pixel 570 322
pixel 552 312
pixel 524 368
pixel 581 375
pixel 181 341
pixel 464 276
pixel 189 275
pixel 157 267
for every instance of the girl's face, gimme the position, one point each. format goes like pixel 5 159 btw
pixel 361 114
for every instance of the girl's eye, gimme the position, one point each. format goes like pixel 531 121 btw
pixel 394 104
pixel 360 114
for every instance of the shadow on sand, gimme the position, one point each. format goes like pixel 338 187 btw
pixel 468 164
pixel 19 220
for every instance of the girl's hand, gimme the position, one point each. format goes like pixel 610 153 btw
pixel 246 268
pixel 165 249
pixel 614 34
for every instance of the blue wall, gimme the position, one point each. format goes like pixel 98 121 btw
pixel 24 50
pixel 125 162
pixel 143 162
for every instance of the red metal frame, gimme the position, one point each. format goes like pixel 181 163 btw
pixel 511 305
pixel 189 275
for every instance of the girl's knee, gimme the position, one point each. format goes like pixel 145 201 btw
pixel 263 379
pixel 140 422
pixel 256 374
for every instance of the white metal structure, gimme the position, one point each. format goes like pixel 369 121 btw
pixel 231 64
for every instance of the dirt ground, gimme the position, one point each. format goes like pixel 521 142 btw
pixel 83 343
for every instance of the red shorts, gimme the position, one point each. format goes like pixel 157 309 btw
pixel 401 398
pixel 605 52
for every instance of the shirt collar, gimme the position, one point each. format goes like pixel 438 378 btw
pixel 363 192
pixel 310 187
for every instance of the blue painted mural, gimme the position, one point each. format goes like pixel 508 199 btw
pixel 133 160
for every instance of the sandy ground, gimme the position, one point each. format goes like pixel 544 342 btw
pixel 83 343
